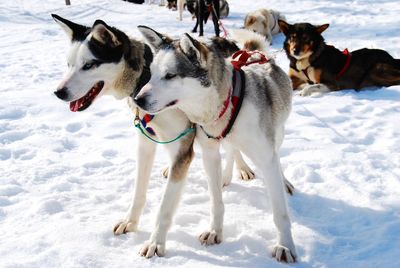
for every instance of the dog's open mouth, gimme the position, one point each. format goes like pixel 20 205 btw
pixel 172 103
pixel 84 102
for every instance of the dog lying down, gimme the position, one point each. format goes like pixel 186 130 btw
pixel 264 22
pixel 318 67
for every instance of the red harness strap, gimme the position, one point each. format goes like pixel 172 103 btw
pixel 244 56
pixel 346 65
pixel 236 93
pixel 226 104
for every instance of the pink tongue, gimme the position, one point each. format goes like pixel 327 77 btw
pixel 74 105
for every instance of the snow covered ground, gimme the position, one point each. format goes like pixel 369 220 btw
pixel 66 178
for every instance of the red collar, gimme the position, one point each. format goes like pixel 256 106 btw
pixel 235 96
pixel 226 104
pixel 346 65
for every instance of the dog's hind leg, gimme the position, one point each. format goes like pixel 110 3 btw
pixel 145 159
pixel 266 159
pixel 200 15
pixel 280 134
pixel 384 74
pixel 181 154
pixel 197 24
pixel 216 16
pixel 212 166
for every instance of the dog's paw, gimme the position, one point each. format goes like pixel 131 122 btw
pixel 226 180
pixel 305 92
pixel 151 249
pixel 246 173
pixel 283 254
pixel 124 227
pixel 289 187
pixel 209 238
pixel 165 172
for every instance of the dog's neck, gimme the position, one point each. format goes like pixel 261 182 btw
pixel 126 83
pixel 304 63
pixel 210 102
pixel 210 111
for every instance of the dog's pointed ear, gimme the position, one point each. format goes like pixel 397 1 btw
pixel 104 34
pixel 155 39
pixel 194 50
pixel 75 32
pixel 249 20
pixel 284 26
pixel 320 29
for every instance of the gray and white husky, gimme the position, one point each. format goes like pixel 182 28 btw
pixel 197 79
pixel 104 60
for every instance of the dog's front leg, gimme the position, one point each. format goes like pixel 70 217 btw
pixel 181 155
pixel 234 156
pixel 145 159
pixel 180 5
pixel 212 166
pixel 308 90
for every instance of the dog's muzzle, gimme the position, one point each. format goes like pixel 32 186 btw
pixel 61 93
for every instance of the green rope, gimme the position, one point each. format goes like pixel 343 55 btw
pixel 187 131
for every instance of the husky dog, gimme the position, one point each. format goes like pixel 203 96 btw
pixel 264 22
pixel 318 67
pixel 197 79
pixel 103 60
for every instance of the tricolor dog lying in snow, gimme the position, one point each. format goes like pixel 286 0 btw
pixel 103 60
pixel 318 67
pixel 196 78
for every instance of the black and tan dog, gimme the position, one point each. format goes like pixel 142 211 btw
pixel 318 67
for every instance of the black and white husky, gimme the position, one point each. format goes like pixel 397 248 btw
pixel 104 60
pixel 197 79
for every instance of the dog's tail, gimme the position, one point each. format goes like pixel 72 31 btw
pixel 249 40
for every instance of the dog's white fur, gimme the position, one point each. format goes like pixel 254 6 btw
pixel 202 104
pixel 118 81
pixel 264 22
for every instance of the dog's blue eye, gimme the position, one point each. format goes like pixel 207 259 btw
pixel 88 66
pixel 169 76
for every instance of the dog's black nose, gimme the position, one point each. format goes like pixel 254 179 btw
pixel 61 93
pixel 140 101
pixel 297 51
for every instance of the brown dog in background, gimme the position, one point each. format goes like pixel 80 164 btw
pixel 318 67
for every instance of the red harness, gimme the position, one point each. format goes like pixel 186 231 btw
pixel 346 65
pixel 244 56
pixel 236 93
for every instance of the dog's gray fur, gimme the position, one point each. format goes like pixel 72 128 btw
pixel 258 130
